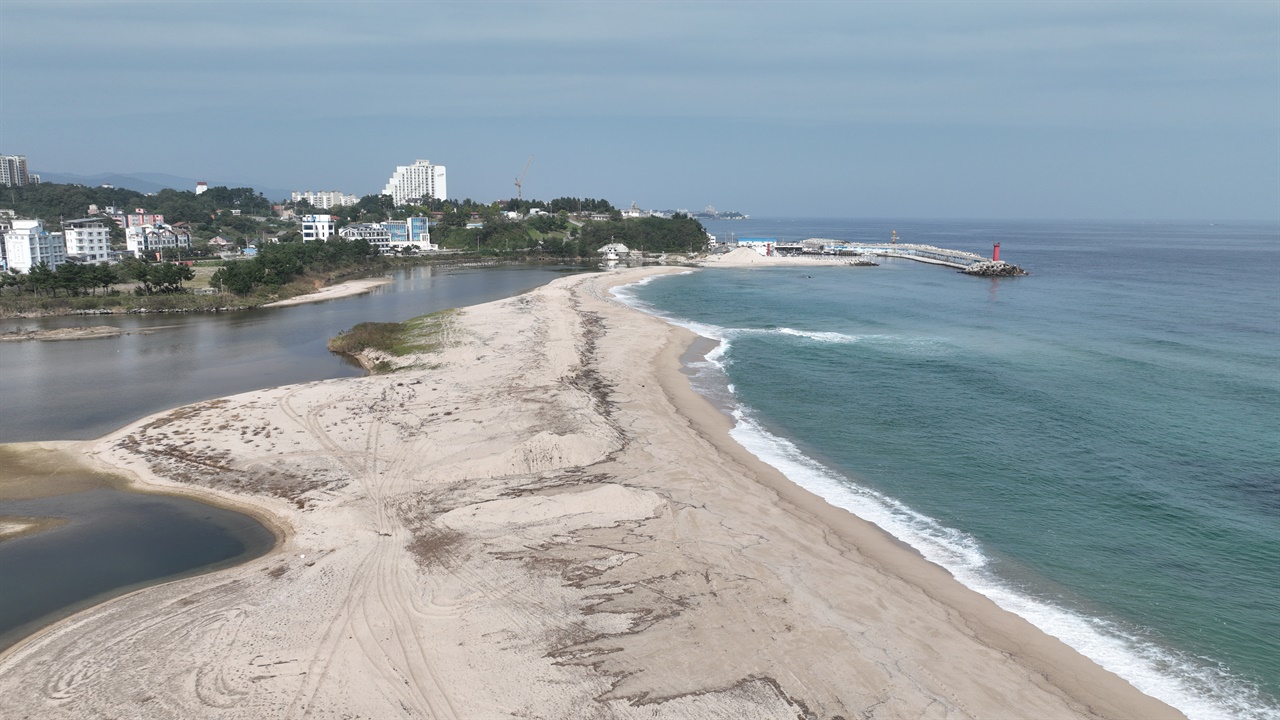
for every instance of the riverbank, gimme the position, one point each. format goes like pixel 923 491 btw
pixel 333 292
pixel 73 333
pixel 539 518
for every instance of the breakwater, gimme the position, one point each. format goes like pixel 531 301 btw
pixel 967 262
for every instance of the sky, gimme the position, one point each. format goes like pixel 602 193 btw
pixel 1020 110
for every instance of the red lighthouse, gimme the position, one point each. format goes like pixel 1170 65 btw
pixel 995 253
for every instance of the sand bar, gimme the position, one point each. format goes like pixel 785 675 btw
pixel 540 520
pixel 332 292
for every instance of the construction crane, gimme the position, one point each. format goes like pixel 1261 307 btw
pixel 520 180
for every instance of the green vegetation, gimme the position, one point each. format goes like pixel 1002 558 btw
pixel 419 335
pixel 558 236
pixel 52 201
pixel 280 263
pixel 76 280
pixel 286 267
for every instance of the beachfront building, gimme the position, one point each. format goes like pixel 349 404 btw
pixel 416 183
pixel 376 234
pixel 13 170
pixel 325 199
pixel 317 227
pixel 88 240
pixel 26 245
pixel 617 249
pixel 152 240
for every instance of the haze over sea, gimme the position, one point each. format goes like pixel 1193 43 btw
pixel 1095 447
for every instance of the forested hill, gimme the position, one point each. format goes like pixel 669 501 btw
pixel 52 202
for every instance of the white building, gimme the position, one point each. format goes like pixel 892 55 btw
pixel 153 239
pixel 88 240
pixel 27 245
pixel 615 249
pixel 764 246
pixel 416 182
pixel 375 233
pixel 202 187
pixel 325 199
pixel 317 227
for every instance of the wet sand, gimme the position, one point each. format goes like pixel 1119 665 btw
pixel 542 519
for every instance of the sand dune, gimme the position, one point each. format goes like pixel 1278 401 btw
pixel 540 520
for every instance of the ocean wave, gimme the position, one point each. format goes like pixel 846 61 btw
pixel 1198 688
pixel 1200 691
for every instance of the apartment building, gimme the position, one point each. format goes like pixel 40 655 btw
pixel 417 182
pixel 88 240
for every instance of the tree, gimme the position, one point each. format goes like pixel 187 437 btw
pixel 239 277
pixel 42 279
pixel 168 277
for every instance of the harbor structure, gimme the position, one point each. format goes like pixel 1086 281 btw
pixel 764 246
pixel 418 182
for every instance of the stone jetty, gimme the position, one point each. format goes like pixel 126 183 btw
pixel 993 268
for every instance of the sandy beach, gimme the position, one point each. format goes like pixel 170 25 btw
pixel 540 520
pixel 331 292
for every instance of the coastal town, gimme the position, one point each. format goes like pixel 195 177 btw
pixel 208 241
pixel 413 202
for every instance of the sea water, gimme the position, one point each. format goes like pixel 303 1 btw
pixel 1095 446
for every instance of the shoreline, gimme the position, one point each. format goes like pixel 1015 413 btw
pixel 554 472
pixel 347 288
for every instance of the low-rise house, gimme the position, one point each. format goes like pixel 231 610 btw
pixel 317 227
pixel 153 239
pixel 374 233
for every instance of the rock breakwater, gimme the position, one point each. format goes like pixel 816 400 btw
pixel 996 268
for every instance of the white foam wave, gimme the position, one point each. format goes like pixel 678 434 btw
pixel 826 337
pixel 1199 691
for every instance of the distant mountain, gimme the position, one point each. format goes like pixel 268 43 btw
pixel 155 182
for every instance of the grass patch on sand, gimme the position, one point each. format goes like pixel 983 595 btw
pixel 417 336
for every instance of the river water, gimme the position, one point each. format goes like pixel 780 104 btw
pixel 82 389
pixel 111 540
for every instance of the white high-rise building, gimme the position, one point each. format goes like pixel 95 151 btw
pixel 419 181
pixel 13 170
pixel 27 245
pixel 89 240
pixel 325 199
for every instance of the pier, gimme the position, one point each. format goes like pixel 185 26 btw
pixel 958 259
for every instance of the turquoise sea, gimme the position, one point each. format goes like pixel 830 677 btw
pixel 1096 446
